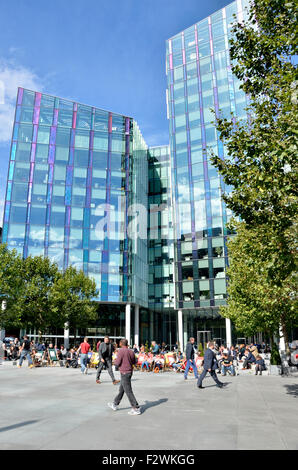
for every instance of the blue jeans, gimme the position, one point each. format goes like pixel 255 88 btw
pixel 229 368
pixel 24 353
pixel 145 363
pixel 84 360
pixel 191 362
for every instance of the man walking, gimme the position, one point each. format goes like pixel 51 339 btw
pixel 210 365
pixel 25 352
pixel 125 361
pixel 84 349
pixel 105 352
pixel 190 358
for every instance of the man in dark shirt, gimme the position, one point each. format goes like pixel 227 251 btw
pixel 210 365
pixel 190 358
pixel 105 353
pixel 25 351
pixel 227 364
pixel 125 361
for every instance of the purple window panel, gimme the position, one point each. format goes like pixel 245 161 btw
pixel 55 117
pixel 31 172
pixel 91 140
pixel 37 99
pixel 72 138
pixel 28 216
pixel 29 192
pixel 20 95
pixel 36 113
pixel 51 156
pixel 33 151
pixel 69 173
pixel 74 120
pixel 51 174
pixel 67 218
pixel 91 158
pixel 35 130
pixel 171 61
pixel 53 135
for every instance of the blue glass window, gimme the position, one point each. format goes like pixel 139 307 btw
pixel 26 115
pixel 63 136
pixel 36 235
pixel 21 172
pixel 19 192
pixel 100 159
pixel 28 98
pixel 81 158
pixel 18 213
pixel 37 214
pixel 23 152
pixel 16 235
pixel 43 136
pixel 65 118
pixel 25 133
pixel 39 193
pixel 58 216
pixel 41 174
pixel 46 116
pixel 62 154
pixel 41 154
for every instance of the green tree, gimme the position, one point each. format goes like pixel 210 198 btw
pixel 11 286
pixel 71 298
pixel 35 302
pixel 262 156
pixel 255 304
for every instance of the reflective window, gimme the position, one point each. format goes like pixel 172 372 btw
pixel 82 139
pixel 16 234
pixel 63 137
pixel 41 154
pixel 46 116
pixel 39 193
pixel 21 172
pixel 19 192
pixel 26 114
pixel 18 213
pixel 59 174
pixel 25 133
pixel 23 152
pixel 38 214
pixel 57 216
pixel 43 135
pixel 81 158
pixel 36 235
pixel 61 154
pixel 41 174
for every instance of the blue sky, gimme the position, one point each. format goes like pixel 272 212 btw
pixel 110 54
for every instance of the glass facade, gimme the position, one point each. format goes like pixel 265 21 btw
pixel 148 224
pixel 199 79
pixel 73 175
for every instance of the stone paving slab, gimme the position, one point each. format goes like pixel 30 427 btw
pixel 58 408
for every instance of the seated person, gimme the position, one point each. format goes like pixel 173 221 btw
pixel 249 358
pixel 145 362
pixel 159 361
pixel 260 365
pixel 227 364
pixel 71 359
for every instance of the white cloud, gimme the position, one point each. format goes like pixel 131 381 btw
pixel 11 77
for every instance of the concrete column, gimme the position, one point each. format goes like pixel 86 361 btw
pixel 2 331
pixel 127 323
pixel 228 333
pixel 137 325
pixel 180 330
pixel 66 335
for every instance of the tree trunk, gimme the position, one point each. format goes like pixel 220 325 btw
pixel 286 337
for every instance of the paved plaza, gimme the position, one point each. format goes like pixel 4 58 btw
pixel 58 408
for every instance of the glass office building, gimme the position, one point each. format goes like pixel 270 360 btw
pixel 81 179
pixel 199 79
pixel 73 175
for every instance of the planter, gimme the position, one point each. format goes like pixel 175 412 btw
pixel 274 370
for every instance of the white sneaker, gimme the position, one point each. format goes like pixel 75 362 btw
pixel 86 371
pixel 113 406
pixel 135 411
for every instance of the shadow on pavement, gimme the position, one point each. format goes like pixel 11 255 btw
pixel 150 404
pixel 292 390
pixel 19 425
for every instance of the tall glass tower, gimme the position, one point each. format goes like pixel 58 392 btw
pixel 199 78
pixel 73 175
